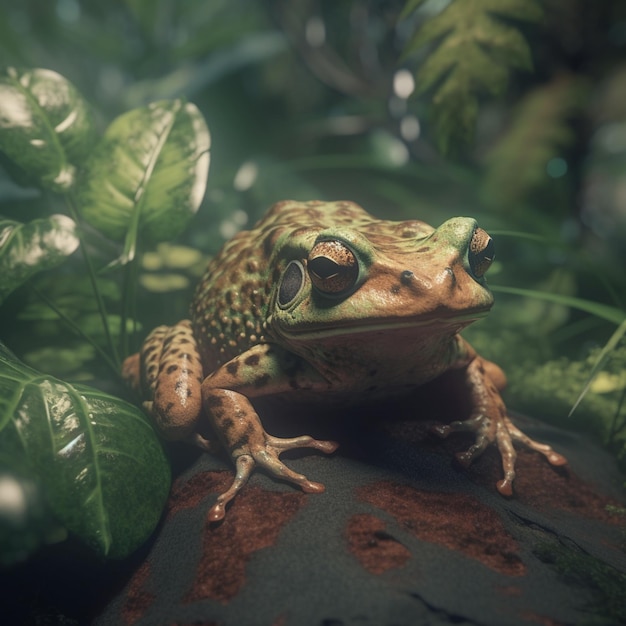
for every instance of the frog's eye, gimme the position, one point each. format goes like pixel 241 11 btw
pixel 481 252
pixel 333 267
pixel 291 283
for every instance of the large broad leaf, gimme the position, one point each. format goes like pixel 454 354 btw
pixel 148 174
pixel 100 464
pixel 46 126
pixel 26 249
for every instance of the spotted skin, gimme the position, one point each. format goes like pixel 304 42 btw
pixel 321 300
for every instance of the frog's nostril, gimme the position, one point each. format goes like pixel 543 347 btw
pixel 481 252
pixel 406 277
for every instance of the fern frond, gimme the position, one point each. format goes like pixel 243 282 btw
pixel 474 53
pixel 539 131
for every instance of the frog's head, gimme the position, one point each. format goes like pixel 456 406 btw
pixel 391 275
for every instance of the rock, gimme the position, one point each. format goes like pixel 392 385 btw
pixel 400 536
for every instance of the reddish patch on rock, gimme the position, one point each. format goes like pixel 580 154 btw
pixel 542 486
pixel 541 619
pixel 137 601
pixel 187 494
pixel 193 624
pixel 253 522
pixel 376 550
pixel 456 521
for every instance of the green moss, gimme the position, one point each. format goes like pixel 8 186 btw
pixel 604 583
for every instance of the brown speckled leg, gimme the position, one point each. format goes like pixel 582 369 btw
pixel 491 423
pixel 262 370
pixel 169 371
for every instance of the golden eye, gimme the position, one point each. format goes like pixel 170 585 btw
pixel 333 267
pixel 481 252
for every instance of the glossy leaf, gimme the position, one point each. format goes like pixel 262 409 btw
pixel 148 175
pixel 97 458
pixel 46 126
pixel 26 249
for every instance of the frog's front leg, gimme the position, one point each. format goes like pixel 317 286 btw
pixel 168 372
pixel 489 419
pixel 262 370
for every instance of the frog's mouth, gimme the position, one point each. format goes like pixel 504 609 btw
pixel 435 324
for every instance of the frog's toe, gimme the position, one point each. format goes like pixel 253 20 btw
pixel 305 441
pixel 554 458
pixel 266 457
pixel 245 465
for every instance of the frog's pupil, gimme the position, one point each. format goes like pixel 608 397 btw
pixel 323 267
pixel 291 283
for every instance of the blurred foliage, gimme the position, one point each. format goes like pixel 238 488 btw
pixel 475 52
pixel 321 99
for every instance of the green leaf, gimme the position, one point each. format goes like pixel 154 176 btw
pixel 539 131
pixel 97 458
pixel 601 359
pixel 148 175
pixel 409 7
pixel 26 249
pixel 474 53
pixel 46 126
pixel 603 311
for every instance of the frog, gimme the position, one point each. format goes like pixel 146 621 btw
pixel 321 301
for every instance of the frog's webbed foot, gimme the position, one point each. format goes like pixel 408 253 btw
pixel 491 424
pixel 266 457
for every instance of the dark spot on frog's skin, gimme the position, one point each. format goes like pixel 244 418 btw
pixel 406 277
pixel 168 408
pixel 395 290
pixel 262 381
pixel 152 368
pixel 252 360
pixel 151 348
pixel 212 402
pixel 184 340
pixel 171 369
pixel 232 367
pixel 227 423
pixel 245 437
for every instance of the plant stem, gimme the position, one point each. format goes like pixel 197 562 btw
pixel 129 299
pixel 71 204
pixel 77 329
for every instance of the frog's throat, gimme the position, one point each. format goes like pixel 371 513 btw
pixel 454 323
